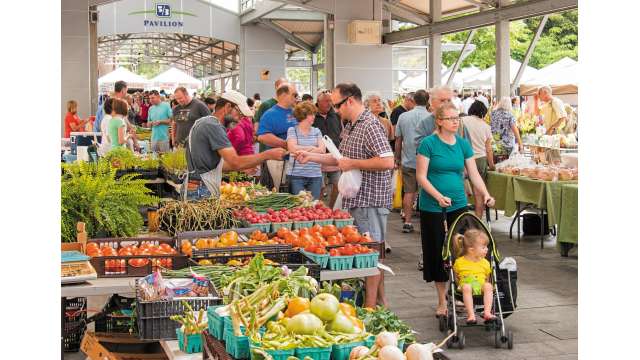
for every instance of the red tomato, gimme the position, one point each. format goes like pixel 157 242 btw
pixel 334 252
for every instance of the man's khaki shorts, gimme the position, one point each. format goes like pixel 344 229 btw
pixel 409 180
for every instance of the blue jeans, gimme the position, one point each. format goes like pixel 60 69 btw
pixel 312 184
pixel 200 193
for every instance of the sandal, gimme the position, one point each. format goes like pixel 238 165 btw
pixel 489 320
pixel 443 314
pixel 472 322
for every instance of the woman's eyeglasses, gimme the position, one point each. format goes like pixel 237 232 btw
pixel 452 119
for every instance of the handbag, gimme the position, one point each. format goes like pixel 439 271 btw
pixel 285 186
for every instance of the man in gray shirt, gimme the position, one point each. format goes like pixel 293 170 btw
pixel 208 144
pixel 185 115
pixel 405 152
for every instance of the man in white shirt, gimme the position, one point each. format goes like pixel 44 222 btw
pixel 466 103
pixel 457 102
pixel 483 98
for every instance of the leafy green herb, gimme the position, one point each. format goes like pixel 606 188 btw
pixel 381 319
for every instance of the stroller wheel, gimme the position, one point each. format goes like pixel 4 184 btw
pixel 460 340
pixel 498 339
pixel 452 341
pixel 509 340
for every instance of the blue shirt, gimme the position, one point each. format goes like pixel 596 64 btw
pixel 445 171
pixel 161 111
pixel 313 138
pixel 276 121
pixel 406 128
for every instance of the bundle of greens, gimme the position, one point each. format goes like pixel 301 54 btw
pixel 381 319
pixel 121 158
pixel 178 216
pixel 174 162
pixel 108 206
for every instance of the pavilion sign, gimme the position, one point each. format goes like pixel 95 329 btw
pixel 164 16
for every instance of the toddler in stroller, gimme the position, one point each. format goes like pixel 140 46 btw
pixel 472 272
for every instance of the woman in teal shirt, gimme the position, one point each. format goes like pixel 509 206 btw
pixel 117 127
pixel 441 161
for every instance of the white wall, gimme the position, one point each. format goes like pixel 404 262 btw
pixel 368 66
pixel 261 49
pixel 75 58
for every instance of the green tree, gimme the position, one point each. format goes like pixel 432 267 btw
pixel 559 39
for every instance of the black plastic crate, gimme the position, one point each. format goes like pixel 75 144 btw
pixel 75 323
pixel 113 318
pixel 293 259
pixel 153 316
pixel 245 251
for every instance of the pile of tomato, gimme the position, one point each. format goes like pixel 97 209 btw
pixel 318 212
pixel 350 249
pixel 317 238
pixel 115 266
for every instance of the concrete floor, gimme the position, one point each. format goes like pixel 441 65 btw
pixel 545 324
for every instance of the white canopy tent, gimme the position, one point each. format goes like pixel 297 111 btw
pixel 486 79
pixel 174 78
pixel 563 82
pixel 419 81
pixel 134 81
pixel 560 64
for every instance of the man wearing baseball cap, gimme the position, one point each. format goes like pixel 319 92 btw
pixel 209 150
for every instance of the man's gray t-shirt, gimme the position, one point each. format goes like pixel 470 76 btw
pixel 186 116
pixel 406 128
pixel 424 128
pixel 207 138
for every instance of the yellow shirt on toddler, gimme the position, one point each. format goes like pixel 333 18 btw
pixel 464 268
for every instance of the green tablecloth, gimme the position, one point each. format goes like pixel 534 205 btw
pixel 568 217
pixel 510 189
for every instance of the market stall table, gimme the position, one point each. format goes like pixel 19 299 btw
pixel 100 287
pixel 568 218
pixel 512 191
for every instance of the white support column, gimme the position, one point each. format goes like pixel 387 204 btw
pixel 329 63
pixel 314 73
pixel 93 61
pixel 434 63
pixel 503 56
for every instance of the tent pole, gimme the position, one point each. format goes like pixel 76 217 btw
pixel 461 57
pixel 527 55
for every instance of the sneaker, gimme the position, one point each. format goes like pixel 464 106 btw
pixel 387 248
pixel 407 228
pixel 420 266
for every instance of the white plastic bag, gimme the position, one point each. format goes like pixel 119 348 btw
pixel 350 181
pixel 394 181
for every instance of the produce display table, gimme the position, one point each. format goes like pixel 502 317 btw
pixel 514 194
pixel 100 287
pixel 568 218
pixel 326 275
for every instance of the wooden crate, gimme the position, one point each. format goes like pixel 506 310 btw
pixel 103 346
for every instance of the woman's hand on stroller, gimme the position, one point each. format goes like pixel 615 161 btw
pixel 444 201
pixel 489 201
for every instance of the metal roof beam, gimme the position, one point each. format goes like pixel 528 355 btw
pixel 261 9
pixel 516 11
pixel 294 15
pixel 402 13
pixel 324 6
pixel 294 40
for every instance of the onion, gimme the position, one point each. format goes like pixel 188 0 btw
pixel 386 338
pixel 358 352
pixel 390 352
pixel 419 352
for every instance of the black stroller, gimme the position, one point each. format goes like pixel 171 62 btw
pixel 503 280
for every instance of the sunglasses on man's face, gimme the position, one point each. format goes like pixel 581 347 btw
pixel 337 106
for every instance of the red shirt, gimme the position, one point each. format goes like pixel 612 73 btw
pixel 241 137
pixel 144 111
pixel 70 119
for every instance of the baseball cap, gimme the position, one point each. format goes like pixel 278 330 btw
pixel 238 99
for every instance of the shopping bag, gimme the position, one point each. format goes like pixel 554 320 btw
pixel 350 181
pixel 397 192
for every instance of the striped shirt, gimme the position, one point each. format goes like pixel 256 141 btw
pixel 313 138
